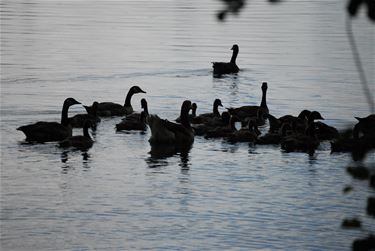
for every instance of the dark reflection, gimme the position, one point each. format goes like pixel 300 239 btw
pixel 65 157
pixel 159 154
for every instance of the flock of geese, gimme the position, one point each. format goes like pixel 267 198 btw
pixel 293 133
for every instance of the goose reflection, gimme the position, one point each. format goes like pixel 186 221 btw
pixel 159 153
pixel 65 157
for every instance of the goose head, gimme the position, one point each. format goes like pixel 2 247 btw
pixel 136 89
pixel 194 109
pixel 315 115
pixel 304 114
pixel 264 86
pixel 217 103
pixel 70 101
pixel 235 48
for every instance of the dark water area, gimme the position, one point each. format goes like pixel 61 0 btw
pixel 120 195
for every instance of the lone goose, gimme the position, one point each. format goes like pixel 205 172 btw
pixel 244 112
pixel 80 141
pixel 192 115
pixel 50 131
pixel 107 109
pixel 166 132
pixel 207 117
pixel 78 121
pixel 227 68
pixel 133 124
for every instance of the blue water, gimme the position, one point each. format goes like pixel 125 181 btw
pixel 119 195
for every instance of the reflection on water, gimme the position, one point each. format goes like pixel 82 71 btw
pixel 124 194
pixel 159 154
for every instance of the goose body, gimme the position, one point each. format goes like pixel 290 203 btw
pixel 78 121
pixel 136 116
pixel 366 126
pixel 133 123
pixel 251 111
pixel 80 141
pixel 299 142
pixel 50 131
pixel 246 134
pixel 208 117
pixel 220 68
pixel 222 131
pixel 107 109
pixel 166 132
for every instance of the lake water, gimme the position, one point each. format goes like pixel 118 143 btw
pixel 119 196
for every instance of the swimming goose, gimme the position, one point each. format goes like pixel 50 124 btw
pixel 244 112
pixel 192 115
pixel 107 109
pixel 366 126
pixel 207 117
pixel 82 142
pixel 300 122
pixel 325 132
pixel 227 68
pixel 50 131
pixel 202 129
pixel 223 131
pixel 78 121
pixel 133 123
pixel 137 116
pixel 246 134
pixel 274 137
pixel 298 142
pixel 166 132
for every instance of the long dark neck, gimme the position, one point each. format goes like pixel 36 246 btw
pixel 185 118
pixel 86 131
pixel 263 103
pixel 232 123
pixel 128 98
pixel 216 110
pixel 234 57
pixel 194 112
pixel 145 109
pixel 64 115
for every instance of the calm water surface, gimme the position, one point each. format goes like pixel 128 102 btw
pixel 120 195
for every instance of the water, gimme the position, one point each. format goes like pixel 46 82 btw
pixel 119 196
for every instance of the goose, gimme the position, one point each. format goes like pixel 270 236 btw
pixel 50 131
pixel 274 137
pixel 78 121
pixel 107 109
pixel 79 141
pixel 207 117
pixel 227 68
pixel 244 112
pixel 325 132
pixel 137 116
pixel 192 115
pixel 166 132
pixel 223 131
pixel 366 126
pixel 246 134
pixel 298 142
pixel 133 124
pixel 299 123
pixel 202 129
